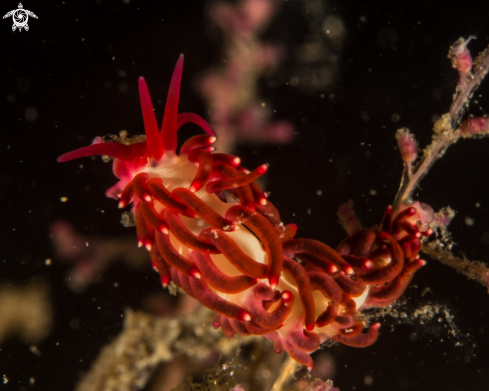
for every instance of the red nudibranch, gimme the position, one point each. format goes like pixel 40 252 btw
pixel 210 229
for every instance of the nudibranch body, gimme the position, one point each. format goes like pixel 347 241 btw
pixel 210 229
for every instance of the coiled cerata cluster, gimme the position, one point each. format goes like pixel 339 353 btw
pixel 210 229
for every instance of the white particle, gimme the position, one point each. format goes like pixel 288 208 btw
pixel 368 380
pixel 469 221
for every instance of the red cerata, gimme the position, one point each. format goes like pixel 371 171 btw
pixel 210 229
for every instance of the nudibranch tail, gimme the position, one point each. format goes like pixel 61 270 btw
pixel 210 229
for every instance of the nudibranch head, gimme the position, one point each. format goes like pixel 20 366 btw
pixel 210 229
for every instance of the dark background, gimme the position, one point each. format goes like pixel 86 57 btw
pixel 66 68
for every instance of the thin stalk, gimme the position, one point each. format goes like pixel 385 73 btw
pixel 289 368
pixel 446 130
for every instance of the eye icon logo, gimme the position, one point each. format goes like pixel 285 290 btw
pixel 20 16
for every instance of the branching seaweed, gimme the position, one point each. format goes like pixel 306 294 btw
pixel 128 361
pixel 449 129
